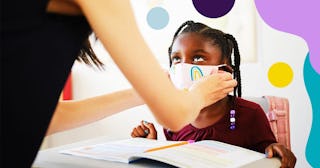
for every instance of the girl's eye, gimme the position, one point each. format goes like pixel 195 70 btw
pixel 175 59
pixel 197 59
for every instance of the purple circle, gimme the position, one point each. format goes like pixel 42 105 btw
pixel 213 8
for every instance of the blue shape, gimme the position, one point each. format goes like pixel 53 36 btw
pixel 158 18
pixel 312 83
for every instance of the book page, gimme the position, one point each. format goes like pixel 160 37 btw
pixel 119 151
pixel 205 154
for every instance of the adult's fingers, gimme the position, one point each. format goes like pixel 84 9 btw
pixel 230 83
pixel 223 76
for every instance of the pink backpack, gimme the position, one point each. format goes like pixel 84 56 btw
pixel 278 115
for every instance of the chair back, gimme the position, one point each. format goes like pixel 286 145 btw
pixel 277 112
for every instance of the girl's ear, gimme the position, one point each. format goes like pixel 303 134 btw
pixel 228 67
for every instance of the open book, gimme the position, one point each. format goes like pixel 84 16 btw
pixel 206 153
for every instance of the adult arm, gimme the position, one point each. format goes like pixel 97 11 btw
pixel 71 114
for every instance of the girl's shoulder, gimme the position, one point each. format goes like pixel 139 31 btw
pixel 249 108
pixel 247 104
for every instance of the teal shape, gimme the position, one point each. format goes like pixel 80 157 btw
pixel 312 83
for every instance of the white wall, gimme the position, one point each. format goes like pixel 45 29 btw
pixel 267 47
pixel 275 47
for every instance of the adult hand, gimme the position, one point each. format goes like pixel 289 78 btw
pixel 212 88
pixel 288 160
pixel 144 130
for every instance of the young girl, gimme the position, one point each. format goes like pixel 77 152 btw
pixel 231 120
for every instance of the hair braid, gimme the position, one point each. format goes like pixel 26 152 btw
pixel 236 66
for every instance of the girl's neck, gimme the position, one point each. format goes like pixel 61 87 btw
pixel 212 114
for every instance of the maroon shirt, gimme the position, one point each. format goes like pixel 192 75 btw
pixel 252 129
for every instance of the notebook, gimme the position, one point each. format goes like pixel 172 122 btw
pixel 206 153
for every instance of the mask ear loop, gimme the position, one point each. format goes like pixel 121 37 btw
pixel 226 68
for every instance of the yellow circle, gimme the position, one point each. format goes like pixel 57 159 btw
pixel 280 74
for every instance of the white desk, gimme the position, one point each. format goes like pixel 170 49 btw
pixel 51 158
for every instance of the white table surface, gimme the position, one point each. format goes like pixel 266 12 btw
pixel 51 158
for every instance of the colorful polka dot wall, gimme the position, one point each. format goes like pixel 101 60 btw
pixel 281 74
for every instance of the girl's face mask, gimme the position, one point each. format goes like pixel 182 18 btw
pixel 184 75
